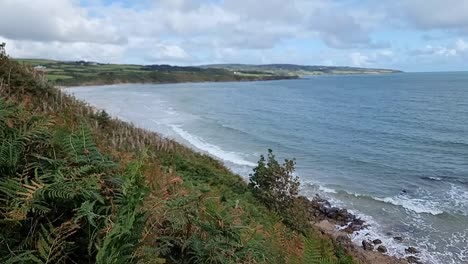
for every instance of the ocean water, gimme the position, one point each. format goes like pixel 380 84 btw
pixel 391 148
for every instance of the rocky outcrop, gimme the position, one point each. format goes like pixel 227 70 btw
pixel 320 209
pixel 327 217
pixel 377 241
pixel 413 259
pixel 382 249
pixel 411 250
pixel 367 245
pixel 360 255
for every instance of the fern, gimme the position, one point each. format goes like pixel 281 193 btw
pixel 314 252
pixel 20 257
pixel 10 153
pixel 52 245
pixel 119 244
pixel 81 147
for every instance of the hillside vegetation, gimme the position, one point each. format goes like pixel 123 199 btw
pixel 77 186
pixel 76 73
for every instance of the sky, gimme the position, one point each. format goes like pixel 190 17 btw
pixel 409 35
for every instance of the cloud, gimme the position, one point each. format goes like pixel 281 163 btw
pixel 461 45
pixel 65 50
pixel 457 49
pixel 359 60
pixel 372 59
pixel 156 50
pixel 204 31
pixel 53 20
pixel 343 32
pixel 431 14
pixel 235 23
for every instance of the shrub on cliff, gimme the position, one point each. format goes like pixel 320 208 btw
pixel 274 183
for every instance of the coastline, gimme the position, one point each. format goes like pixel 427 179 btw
pixel 241 79
pixel 339 225
pixel 119 81
pixel 359 254
pixel 335 223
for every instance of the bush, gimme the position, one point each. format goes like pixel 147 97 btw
pixel 274 184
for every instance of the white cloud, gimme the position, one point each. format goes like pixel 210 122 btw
pixel 359 60
pixel 205 31
pixel 461 45
pixel 237 24
pixel 53 20
pixel 373 58
pixel 457 49
pixel 434 14
pixel 65 50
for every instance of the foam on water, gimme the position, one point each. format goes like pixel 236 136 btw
pixel 458 197
pixel 211 149
pixel 373 229
pixel 416 205
pixel 394 247
pixel 326 189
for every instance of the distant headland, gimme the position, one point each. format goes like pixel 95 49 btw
pixel 80 73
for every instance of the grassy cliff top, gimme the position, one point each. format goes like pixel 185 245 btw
pixel 75 73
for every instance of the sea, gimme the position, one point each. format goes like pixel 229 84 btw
pixel 393 149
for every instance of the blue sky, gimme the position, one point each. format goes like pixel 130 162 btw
pixel 411 35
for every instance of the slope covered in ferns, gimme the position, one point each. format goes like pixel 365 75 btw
pixel 77 186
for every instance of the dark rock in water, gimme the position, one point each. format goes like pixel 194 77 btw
pixel 368 234
pixel 367 245
pixel 389 233
pixel 323 202
pixel 398 238
pixel 411 250
pixel 319 209
pixel 354 226
pixel 340 215
pixel 413 259
pixel 357 221
pixel 382 249
pixel 377 241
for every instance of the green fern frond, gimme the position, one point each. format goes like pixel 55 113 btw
pixel 312 253
pixel 20 258
pixel 118 246
pixel 52 244
pixel 36 129
pixel 10 152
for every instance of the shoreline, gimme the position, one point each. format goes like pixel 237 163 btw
pixel 261 79
pixel 339 225
pixel 334 222
pixel 120 82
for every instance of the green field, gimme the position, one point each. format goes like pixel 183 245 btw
pixel 86 73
